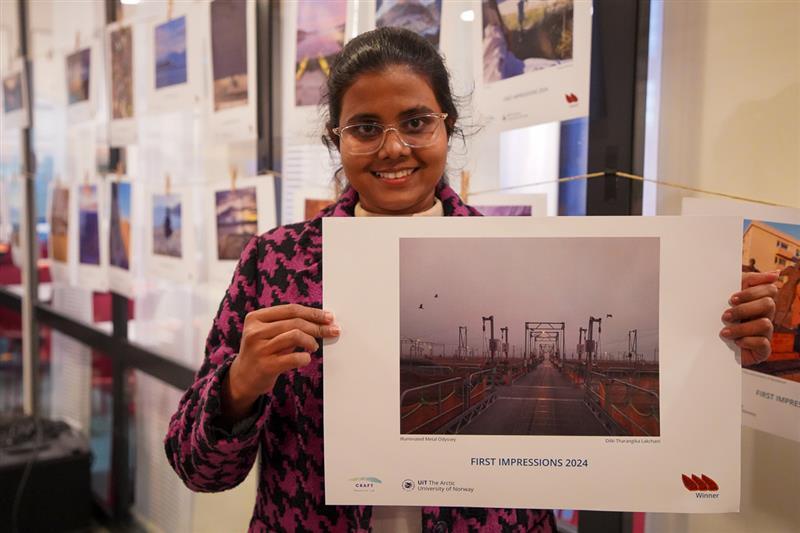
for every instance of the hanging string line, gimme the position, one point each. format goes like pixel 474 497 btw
pixel 633 177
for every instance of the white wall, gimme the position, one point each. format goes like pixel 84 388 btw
pixel 730 122
pixel 730 100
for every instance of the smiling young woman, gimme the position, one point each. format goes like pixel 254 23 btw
pixel 390 115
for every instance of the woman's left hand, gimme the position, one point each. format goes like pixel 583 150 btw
pixel 748 321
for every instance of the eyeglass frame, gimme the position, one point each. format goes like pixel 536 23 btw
pixel 392 127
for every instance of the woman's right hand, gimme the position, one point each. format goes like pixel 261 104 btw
pixel 270 337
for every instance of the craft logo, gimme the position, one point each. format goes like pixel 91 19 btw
pixel 408 485
pixel 365 484
pixel 571 98
pixel 702 486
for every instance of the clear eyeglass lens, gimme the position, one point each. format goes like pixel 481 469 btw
pixel 415 132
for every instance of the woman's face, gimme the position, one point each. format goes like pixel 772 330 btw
pixel 386 97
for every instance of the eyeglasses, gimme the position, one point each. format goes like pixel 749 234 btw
pixel 416 132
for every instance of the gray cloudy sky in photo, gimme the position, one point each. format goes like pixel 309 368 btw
pixel 530 279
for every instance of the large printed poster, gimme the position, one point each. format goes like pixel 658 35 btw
pixel 531 363
pixel 770 242
pixel 532 58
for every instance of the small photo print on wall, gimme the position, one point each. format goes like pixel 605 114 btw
pixel 88 226
pixel 12 93
pixel 320 36
pixel 78 76
pixel 237 221
pixel 120 233
pixel 229 53
pixel 170 53
pixel 420 16
pixel 59 225
pixel 121 73
pixel 167 225
pixel 522 36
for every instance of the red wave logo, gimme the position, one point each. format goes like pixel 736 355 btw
pixel 571 98
pixel 701 483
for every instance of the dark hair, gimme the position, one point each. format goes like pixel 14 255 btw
pixel 376 50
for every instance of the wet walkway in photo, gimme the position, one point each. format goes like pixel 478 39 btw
pixel 543 402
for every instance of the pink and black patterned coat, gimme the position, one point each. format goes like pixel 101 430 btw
pixel 285 266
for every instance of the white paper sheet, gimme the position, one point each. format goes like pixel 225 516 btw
pixel 769 402
pixel 697 425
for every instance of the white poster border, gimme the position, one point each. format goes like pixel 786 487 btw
pixel 699 425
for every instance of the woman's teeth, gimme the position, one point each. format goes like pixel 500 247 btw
pixel 394 175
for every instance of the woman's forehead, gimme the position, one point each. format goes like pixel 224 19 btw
pixel 389 94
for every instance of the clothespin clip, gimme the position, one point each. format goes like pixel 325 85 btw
pixel 77 40
pixel 167 184
pixel 118 171
pixel 169 9
pixel 85 179
pixel 465 186
pixel 234 172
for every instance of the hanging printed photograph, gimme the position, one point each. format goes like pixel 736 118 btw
pixel 229 52
pixel 237 221
pixel 170 39
pixel 320 36
pixel 766 247
pixel 88 226
pixel 12 93
pixel 120 234
pixel 59 224
pixel 314 206
pixel 420 16
pixel 122 73
pixel 521 36
pixel 78 70
pixel 504 210
pixel 167 225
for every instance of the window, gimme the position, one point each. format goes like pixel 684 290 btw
pixel 780 260
pixel 783 245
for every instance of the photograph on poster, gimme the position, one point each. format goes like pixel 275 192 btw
pixel 521 36
pixel 167 226
pixel 526 339
pixel 78 76
pixel 771 246
pixel 420 16
pixel 122 73
pixel 88 226
pixel 237 221
pixel 120 234
pixel 314 206
pixel 504 210
pixel 171 53
pixel 229 52
pixel 12 93
pixel 59 224
pixel 320 36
